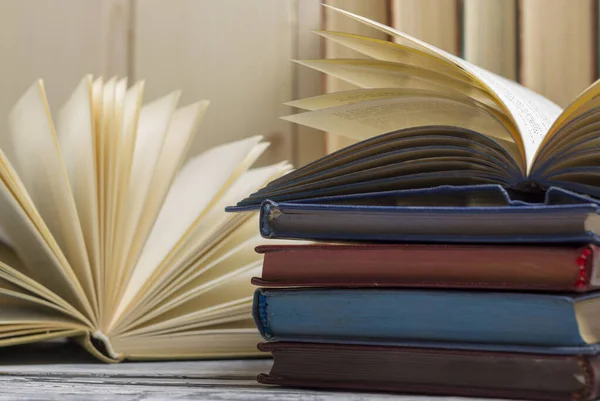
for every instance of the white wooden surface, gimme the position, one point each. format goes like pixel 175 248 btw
pixel 64 372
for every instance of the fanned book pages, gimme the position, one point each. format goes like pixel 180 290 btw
pixel 111 237
pixel 426 118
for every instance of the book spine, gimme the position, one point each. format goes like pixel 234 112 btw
pixel 268 211
pixel 259 314
pixel 491 24
pixel 416 17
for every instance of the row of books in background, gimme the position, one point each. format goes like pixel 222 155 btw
pixel 494 301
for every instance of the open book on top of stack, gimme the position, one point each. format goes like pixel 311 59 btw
pixel 426 118
pixel 110 237
pixel 449 153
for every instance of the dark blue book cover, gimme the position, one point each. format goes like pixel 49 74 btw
pixel 560 217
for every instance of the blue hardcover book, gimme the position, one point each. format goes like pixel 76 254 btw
pixel 561 216
pixel 518 322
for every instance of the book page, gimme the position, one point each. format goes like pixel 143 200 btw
pixel 362 95
pixel 112 173
pixel 217 296
pixel 31 137
pixel 397 53
pixel 195 188
pixel 532 113
pixel 368 119
pixel 74 129
pixel 11 272
pixel 19 308
pixel 131 110
pixel 380 74
pixel 214 234
pixel 33 244
pixel 342 98
pixel 586 101
pixel 207 342
pixel 179 135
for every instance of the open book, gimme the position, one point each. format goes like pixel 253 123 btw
pixel 426 118
pixel 111 237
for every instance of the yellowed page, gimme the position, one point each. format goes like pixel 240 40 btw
pixel 362 95
pixel 36 248
pixel 153 122
pixel 20 309
pixel 19 298
pixel 74 129
pixel 184 124
pixel 239 321
pixel 585 101
pixel 13 271
pixel 98 132
pixel 397 53
pixel 207 343
pixel 188 246
pixel 220 267
pixel 107 99
pixel 532 113
pixel 235 317
pixel 152 129
pixel 216 233
pixel 131 111
pixel 354 96
pixel 31 137
pixel 367 119
pixel 380 74
pixel 196 186
pixel 44 334
pixel 210 246
pixel 111 182
pixel 219 296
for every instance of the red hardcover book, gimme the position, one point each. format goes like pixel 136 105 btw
pixel 531 268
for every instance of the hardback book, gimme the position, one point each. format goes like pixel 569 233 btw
pixel 426 118
pixel 491 320
pixel 112 235
pixel 490 267
pixel 433 371
pixel 446 214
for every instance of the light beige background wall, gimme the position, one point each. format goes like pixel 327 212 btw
pixel 236 53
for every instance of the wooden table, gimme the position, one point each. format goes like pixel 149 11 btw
pixel 56 371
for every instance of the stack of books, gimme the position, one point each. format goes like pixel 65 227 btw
pixel 453 243
pixel 468 315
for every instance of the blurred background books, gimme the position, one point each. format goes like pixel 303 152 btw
pixel 549 46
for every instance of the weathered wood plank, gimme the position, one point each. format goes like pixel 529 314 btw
pixel 24 389
pixel 55 371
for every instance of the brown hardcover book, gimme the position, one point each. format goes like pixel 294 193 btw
pixel 541 268
pixel 434 371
